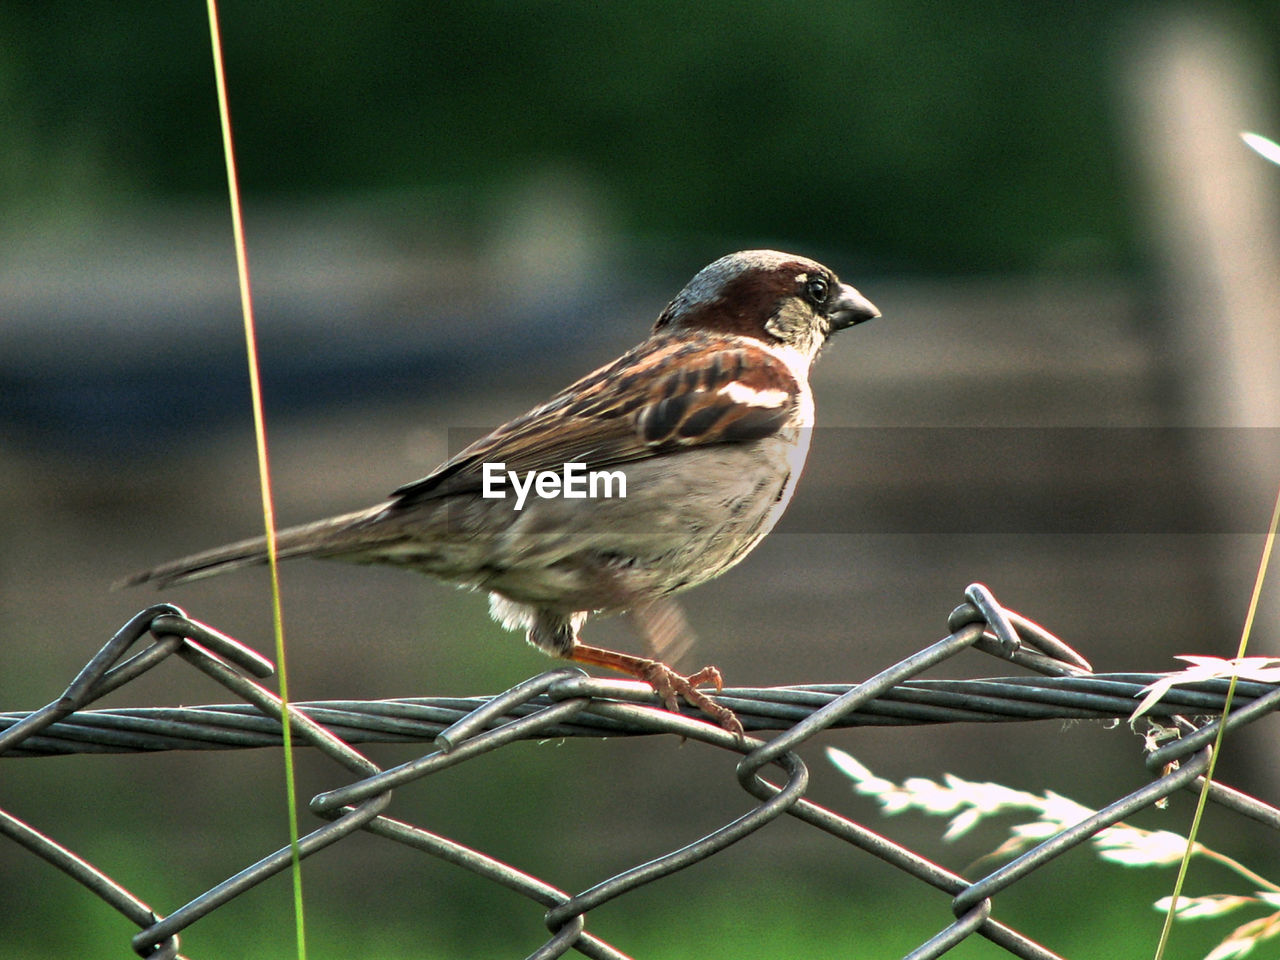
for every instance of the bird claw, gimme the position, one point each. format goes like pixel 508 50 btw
pixel 673 687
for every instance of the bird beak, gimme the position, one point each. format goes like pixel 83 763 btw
pixel 850 307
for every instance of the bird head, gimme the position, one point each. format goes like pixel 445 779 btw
pixel 778 298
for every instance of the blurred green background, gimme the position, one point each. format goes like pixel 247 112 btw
pixel 962 137
pixel 453 210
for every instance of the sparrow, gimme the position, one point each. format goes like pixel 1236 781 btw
pixel 701 432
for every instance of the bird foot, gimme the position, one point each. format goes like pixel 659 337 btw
pixel 673 687
pixel 670 686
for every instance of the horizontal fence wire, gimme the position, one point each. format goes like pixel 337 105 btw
pixel 566 703
pixel 231 726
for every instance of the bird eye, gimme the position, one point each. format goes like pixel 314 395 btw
pixel 817 290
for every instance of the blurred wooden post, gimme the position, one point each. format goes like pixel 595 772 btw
pixel 1214 207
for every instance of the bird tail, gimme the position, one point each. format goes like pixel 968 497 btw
pixel 323 538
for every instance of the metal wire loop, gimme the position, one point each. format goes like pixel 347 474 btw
pixel 567 703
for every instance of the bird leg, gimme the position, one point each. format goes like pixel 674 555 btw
pixel 670 686
pixel 667 634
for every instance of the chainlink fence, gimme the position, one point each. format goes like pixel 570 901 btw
pixel 566 703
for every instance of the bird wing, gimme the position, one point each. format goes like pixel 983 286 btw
pixel 667 394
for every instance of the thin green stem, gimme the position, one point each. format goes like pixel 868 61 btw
pixel 1222 727
pixel 264 473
